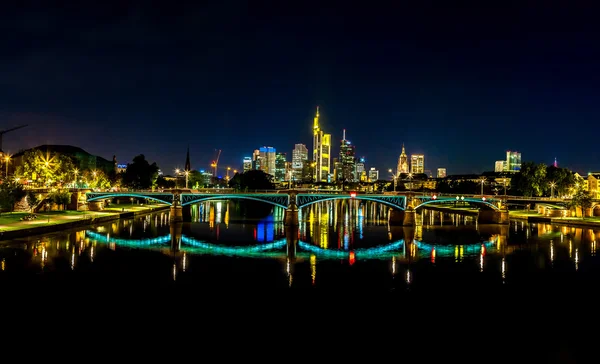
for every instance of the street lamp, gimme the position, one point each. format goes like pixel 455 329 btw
pixel 7 159
pixel 552 185
pixel 395 177
pixel 482 180
pixel 187 173
pixel 504 187
pixel 75 172
pixel 410 176
pixel 177 172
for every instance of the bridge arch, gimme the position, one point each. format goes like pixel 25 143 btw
pixel 395 202
pixel 358 253
pixel 104 196
pixel 280 200
pixel 449 200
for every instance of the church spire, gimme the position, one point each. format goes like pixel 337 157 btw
pixel 403 151
pixel 188 167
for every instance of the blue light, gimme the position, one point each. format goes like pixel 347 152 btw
pixel 236 250
pixel 103 238
pixel 202 171
pixel 358 253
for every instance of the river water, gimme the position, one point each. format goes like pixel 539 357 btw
pixel 447 268
pixel 341 247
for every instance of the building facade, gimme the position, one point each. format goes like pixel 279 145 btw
pixel 441 173
pixel 280 167
pixel 373 174
pixel 321 151
pixel 299 158
pixel 513 161
pixel 247 164
pixel 499 166
pixel 263 159
pixel 347 161
pixel 417 164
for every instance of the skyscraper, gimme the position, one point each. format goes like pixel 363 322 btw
pixel 299 158
pixel 441 172
pixel 267 156
pixel 513 161
pixel 247 164
pixel 321 151
pixel 499 166
pixel 417 163
pixel 280 162
pixel 347 161
pixel 402 162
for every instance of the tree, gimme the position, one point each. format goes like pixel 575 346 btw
pixel 531 180
pixel 562 178
pixel 96 179
pixel 140 174
pixel 45 168
pixel 60 197
pixel 252 180
pixel 10 193
pixel 32 200
pixel 581 199
pixel 162 182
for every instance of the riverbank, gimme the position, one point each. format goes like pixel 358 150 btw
pixel 461 210
pixel 12 226
pixel 533 216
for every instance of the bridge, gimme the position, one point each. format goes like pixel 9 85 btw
pixel 402 206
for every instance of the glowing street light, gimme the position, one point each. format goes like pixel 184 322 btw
pixel 482 180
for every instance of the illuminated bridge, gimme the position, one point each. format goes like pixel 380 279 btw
pixel 278 248
pixel 286 198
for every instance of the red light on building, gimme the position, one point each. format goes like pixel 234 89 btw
pixel 352 194
pixel 434 197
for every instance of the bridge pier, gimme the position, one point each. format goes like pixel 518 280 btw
pixel 291 213
pixel 493 217
pixel 176 209
pixel 96 205
pixel 175 229
pixel 401 218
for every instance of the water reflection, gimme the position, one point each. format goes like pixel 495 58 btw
pixel 332 238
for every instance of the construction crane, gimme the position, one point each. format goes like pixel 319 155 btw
pixel 215 163
pixel 7 131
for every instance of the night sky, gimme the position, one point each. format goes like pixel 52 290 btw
pixel 460 84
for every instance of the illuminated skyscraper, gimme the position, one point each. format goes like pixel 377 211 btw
pixel 513 161
pixel 499 166
pixel 321 151
pixel 347 161
pixel 441 173
pixel 264 159
pixel 417 163
pixel 402 162
pixel 299 158
pixel 247 164
pixel 280 162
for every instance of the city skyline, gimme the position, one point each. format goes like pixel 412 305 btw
pixel 153 81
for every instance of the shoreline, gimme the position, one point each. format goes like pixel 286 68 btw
pixel 556 220
pixel 38 230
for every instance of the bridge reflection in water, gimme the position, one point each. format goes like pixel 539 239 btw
pixel 347 233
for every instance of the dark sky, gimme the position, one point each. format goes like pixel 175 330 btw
pixel 459 83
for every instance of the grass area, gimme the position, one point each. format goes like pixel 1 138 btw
pixel 12 220
pixel 127 207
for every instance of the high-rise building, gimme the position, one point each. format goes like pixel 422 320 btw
pixel 256 160
pixel 347 160
pixel 299 158
pixel 499 166
pixel 321 151
pixel 373 174
pixel 402 162
pixel 267 157
pixel 247 164
pixel 417 164
pixel 441 173
pixel 280 162
pixel 361 174
pixel 513 161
